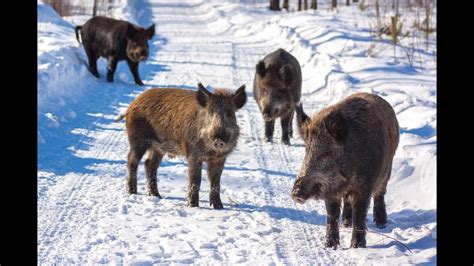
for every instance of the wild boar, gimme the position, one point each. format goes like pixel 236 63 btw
pixel 349 153
pixel 277 90
pixel 115 40
pixel 199 125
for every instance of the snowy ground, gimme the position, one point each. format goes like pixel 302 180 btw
pixel 84 213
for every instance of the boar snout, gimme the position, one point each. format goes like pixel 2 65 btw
pixel 218 144
pixel 297 193
pixel 305 188
pixel 298 199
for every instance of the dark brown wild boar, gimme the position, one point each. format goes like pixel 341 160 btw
pixel 349 152
pixel 198 125
pixel 115 40
pixel 277 90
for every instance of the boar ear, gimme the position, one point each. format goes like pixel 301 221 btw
pixel 150 31
pixel 336 125
pixel 303 121
pixel 202 95
pixel 286 73
pixel 260 68
pixel 240 97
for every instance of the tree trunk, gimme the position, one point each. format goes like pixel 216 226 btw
pixel 334 3
pixel 348 2
pixel 275 5
pixel 377 15
pixel 355 1
pixel 94 8
pixel 305 4
pixel 299 5
pixel 314 4
pixel 286 5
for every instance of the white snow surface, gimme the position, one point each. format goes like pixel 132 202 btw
pixel 86 217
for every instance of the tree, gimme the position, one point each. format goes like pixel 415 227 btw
pixel 348 2
pixel 286 5
pixel 355 1
pixel 94 8
pixel 275 5
pixel 314 4
pixel 299 5
pixel 378 24
pixel 305 4
pixel 334 3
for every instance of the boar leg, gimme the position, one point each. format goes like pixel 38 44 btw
pixel 380 213
pixel 134 69
pixel 333 209
pixel 151 167
pixel 92 57
pixel 214 172
pixel 347 211
pixel 285 128
pixel 290 125
pixel 194 171
pixel 269 127
pixel 134 156
pixel 111 67
pixel 360 206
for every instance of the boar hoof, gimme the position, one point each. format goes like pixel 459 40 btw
pixel 381 224
pixel 268 139
pixel 193 204
pixel 155 194
pixel 358 243
pixel 286 141
pixel 332 242
pixel 380 219
pixel 216 204
pixel 132 190
pixel 96 74
pixel 139 83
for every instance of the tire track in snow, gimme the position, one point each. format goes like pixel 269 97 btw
pixel 289 246
pixel 60 226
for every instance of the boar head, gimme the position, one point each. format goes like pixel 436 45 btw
pixel 321 175
pixel 137 42
pixel 220 130
pixel 274 83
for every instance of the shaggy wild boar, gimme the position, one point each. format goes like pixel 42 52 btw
pixel 277 90
pixel 116 40
pixel 199 125
pixel 349 152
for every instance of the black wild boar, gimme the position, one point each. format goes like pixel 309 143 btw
pixel 349 152
pixel 116 40
pixel 199 125
pixel 277 90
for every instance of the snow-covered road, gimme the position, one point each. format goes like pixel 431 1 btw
pixel 85 215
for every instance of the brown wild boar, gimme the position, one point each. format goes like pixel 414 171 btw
pixel 277 90
pixel 349 152
pixel 198 125
pixel 115 40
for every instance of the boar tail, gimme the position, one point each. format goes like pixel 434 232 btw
pixel 77 29
pixel 120 117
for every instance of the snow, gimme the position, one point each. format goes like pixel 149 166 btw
pixel 86 217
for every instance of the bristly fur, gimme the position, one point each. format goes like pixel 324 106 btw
pixel 184 123
pixel 349 152
pixel 277 90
